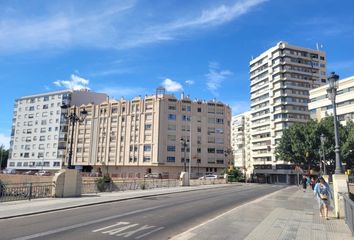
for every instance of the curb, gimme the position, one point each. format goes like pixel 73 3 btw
pixel 104 202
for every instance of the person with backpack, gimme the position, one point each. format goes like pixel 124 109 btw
pixel 323 194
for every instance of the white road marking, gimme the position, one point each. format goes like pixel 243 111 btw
pixel 63 229
pixel 117 224
pixel 145 234
pixel 117 230
pixel 128 234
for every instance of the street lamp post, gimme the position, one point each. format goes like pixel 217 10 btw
pixel 332 92
pixel 323 139
pixel 184 144
pixel 73 118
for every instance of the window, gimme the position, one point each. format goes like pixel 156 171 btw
pixel 171 127
pixel 219 130
pixel 147 126
pixel 148 106
pixel 220 151
pixel 172 107
pixel 186 118
pixel 220 121
pixel 171 159
pixel 172 117
pixel 171 148
pixel 148 116
pixel 211 150
pixel 219 161
pixel 147 148
pixel 146 159
pixel 171 137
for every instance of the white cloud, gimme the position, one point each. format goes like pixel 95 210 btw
pixel 126 92
pixel 215 77
pixel 5 140
pixel 189 82
pixel 74 83
pixel 105 25
pixel 172 86
pixel 238 107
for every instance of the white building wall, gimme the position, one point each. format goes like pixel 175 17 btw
pixel 281 78
pixel 39 129
pixel 320 106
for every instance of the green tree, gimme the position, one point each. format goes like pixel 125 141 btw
pixel 299 144
pixel 348 145
pixel 4 155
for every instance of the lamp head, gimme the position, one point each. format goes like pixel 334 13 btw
pixel 64 106
pixel 332 80
pixel 83 113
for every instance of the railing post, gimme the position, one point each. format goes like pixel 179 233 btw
pixel 30 192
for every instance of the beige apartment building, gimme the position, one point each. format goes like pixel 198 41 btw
pixel 281 79
pixel 320 106
pixel 129 138
pixel 240 142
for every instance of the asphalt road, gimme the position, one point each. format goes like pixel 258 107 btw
pixel 160 217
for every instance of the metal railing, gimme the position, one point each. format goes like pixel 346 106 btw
pixel 349 212
pixel 124 185
pixel 24 191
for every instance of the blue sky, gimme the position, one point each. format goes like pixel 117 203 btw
pixel 127 48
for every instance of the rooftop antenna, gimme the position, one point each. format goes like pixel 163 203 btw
pixel 319 46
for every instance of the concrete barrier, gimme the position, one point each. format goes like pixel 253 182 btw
pixel 67 183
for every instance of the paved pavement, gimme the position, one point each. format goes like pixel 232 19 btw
pixel 286 214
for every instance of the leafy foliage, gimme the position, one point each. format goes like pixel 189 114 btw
pixel 4 155
pixel 104 183
pixel 301 143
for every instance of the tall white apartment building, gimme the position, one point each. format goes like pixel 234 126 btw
pixel 281 79
pixel 129 138
pixel 320 106
pixel 39 129
pixel 240 141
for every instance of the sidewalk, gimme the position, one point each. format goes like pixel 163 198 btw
pixel 37 206
pixel 287 214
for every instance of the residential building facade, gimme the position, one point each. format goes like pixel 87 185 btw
pixel 39 129
pixel 131 138
pixel 240 142
pixel 280 80
pixel 320 106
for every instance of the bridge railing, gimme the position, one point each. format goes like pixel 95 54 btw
pixel 24 191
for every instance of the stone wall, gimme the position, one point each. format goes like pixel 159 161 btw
pixel 17 178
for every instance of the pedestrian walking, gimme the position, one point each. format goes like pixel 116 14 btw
pixel 304 183
pixel 323 194
pixel 313 183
